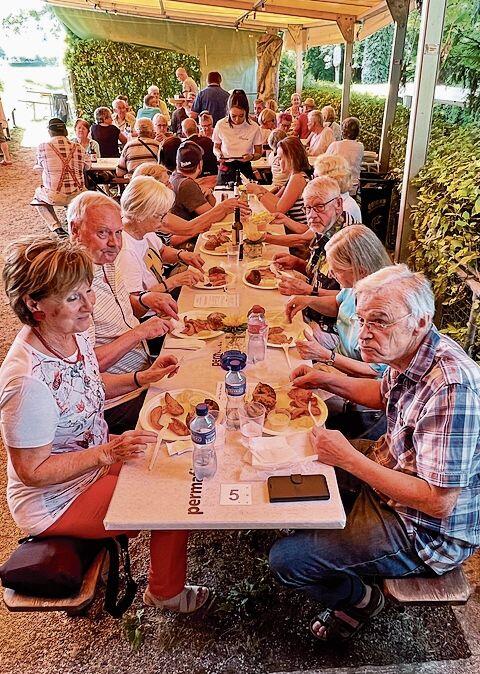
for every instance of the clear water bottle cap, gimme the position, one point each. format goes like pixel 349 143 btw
pixel 201 410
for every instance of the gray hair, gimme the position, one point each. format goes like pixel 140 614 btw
pixel 144 126
pixel 357 248
pixel 145 197
pixel 322 187
pixel 101 114
pixel 79 206
pixel 275 137
pixel 317 116
pixel 399 283
pixel 153 89
pixel 157 118
pixel 337 167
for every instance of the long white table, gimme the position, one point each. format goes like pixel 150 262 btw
pixel 169 496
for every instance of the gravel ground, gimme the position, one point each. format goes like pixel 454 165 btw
pixel 252 626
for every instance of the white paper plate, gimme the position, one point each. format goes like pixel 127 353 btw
pixel 229 279
pixel 256 265
pixel 295 329
pixel 155 401
pixel 212 252
pixel 196 313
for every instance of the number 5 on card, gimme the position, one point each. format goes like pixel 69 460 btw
pixel 236 494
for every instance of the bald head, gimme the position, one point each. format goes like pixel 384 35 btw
pixel 189 127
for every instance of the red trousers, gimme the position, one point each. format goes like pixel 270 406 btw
pixel 168 549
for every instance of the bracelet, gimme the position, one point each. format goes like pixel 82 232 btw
pixel 141 302
pixel 331 360
pixel 179 259
pixel 135 380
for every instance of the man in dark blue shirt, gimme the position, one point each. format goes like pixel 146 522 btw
pixel 213 98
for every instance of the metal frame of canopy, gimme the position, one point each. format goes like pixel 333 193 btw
pixel 311 22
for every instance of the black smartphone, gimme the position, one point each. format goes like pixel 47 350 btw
pixel 283 488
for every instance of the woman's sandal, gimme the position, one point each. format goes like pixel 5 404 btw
pixel 189 600
pixel 342 625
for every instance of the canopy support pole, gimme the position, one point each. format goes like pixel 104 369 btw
pixel 346 25
pixel 300 46
pixel 399 11
pixel 426 72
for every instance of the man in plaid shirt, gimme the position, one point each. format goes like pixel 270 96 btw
pixel 63 163
pixel 412 498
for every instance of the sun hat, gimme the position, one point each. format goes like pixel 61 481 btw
pixel 309 102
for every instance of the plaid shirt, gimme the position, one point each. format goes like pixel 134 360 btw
pixel 63 176
pixel 433 432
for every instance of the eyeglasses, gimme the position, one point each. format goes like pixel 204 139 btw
pixel 379 326
pixel 318 208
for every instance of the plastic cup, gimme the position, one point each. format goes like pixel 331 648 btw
pixel 252 419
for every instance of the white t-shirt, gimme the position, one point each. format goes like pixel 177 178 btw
pixel 45 400
pixel 351 206
pixel 352 150
pixel 238 139
pixel 140 262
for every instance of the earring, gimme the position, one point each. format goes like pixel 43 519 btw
pixel 38 316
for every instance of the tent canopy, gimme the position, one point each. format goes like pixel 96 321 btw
pixel 322 22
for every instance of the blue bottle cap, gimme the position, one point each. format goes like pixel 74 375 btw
pixel 236 365
pixel 201 410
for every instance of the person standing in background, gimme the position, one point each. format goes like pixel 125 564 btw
pixel 188 84
pixel 213 99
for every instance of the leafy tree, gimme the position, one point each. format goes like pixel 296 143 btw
pixel 318 63
pixel 43 20
pixel 376 56
pixel 287 78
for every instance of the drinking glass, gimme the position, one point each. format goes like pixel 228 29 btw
pixel 252 419
pixel 233 251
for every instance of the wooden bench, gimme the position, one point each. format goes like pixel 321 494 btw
pixel 451 588
pixel 72 605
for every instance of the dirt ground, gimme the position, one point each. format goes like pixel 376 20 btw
pixel 252 626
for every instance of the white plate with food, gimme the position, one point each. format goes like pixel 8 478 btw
pixel 260 220
pixel 172 411
pixel 287 408
pixel 199 323
pixel 216 243
pixel 259 275
pixel 281 332
pixel 215 278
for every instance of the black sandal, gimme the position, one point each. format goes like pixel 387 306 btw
pixel 342 625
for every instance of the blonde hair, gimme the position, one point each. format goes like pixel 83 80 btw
pixel 144 198
pixel 271 105
pixel 40 267
pixel 144 126
pixel 335 166
pixel 101 114
pixel 266 115
pixel 323 187
pixel 358 249
pixel 275 137
pixel 157 171
pixel 328 113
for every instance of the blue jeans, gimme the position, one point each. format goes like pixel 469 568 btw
pixel 328 565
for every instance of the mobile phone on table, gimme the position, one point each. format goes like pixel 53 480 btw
pixel 285 488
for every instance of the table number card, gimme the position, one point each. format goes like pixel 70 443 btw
pixel 223 301
pixel 236 494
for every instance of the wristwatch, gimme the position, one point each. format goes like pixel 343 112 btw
pixel 331 360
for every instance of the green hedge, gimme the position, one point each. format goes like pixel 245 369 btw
pixel 100 70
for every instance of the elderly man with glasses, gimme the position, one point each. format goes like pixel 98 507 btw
pixel 412 498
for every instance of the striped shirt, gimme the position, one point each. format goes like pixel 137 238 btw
pixel 433 432
pixel 137 151
pixel 297 211
pixel 112 317
pixel 62 163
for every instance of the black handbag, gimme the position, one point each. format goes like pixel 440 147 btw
pixel 54 567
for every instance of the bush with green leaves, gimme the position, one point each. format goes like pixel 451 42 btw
pixel 101 69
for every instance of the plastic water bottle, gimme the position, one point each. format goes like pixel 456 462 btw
pixel 235 388
pixel 257 332
pixel 202 430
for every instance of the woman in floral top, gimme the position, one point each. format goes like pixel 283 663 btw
pixel 62 465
